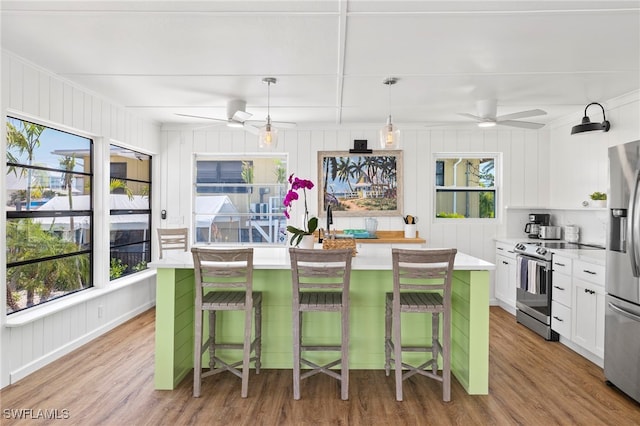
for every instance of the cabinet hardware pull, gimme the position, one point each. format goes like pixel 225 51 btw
pixel 499 248
pixel 586 290
pixel 589 272
pixel 559 288
pixel 506 263
pixel 559 319
pixel 560 264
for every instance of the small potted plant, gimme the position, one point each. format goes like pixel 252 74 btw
pixel 300 237
pixel 598 199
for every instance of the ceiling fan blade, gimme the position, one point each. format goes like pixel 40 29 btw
pixel 521 114
pixel 473 117
pixel 241 116
pixel 204 118
pixel 251 129
pixel 279 124
pixel 521 124
pixel 284 124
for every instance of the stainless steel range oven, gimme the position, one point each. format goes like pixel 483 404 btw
pixel 533 289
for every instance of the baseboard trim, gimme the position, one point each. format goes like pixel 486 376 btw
pixel 44 360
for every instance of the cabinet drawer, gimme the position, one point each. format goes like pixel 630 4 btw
pixel 561 319
pixel 505 249
pixel 589 272
pixel 561 289
pixel 562 264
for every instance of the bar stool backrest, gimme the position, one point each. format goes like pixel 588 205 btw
pixel 223 269
pixel 429 269
pixel 320 269
pixel 173 239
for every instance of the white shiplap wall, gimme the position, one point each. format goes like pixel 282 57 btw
pixel 525 170
pixel 579 162
pixel 33 93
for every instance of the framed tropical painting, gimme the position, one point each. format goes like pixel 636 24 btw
pixel 360 184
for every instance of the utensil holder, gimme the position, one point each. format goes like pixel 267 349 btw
pixel 410 231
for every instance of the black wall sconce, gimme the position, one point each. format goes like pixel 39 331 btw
pixel 588 126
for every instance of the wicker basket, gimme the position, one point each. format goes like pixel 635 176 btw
pixel 339 243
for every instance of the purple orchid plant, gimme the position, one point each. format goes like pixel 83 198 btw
pixel 310 224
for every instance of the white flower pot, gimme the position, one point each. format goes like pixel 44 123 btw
pixel 598 203
pixel 307 242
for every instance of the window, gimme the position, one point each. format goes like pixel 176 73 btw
pixel 465 186
pixel 130 220
pixel 238 199
pixel 49 214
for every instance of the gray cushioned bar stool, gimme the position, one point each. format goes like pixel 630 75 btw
pixel 314 274
pixel 421 283
pixel 224 282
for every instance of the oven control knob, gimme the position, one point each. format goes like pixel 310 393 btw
pixel 541 251
pixel 520 246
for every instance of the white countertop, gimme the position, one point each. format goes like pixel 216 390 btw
pixel 597 257
pixel 278 258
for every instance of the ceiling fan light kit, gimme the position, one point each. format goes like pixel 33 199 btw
pixel 268 135
pixel 485 124
pixel 389 134
pixel 588 126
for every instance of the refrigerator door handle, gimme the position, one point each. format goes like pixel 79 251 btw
pixel 623 312
pixel 632 228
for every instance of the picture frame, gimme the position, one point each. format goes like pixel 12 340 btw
pixel 361 184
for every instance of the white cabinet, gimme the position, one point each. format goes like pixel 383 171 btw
pixel 588 307
pixel 505 288
pixel 561 290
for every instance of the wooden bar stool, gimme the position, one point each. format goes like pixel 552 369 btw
pixel 224 282
pixel 173 239
pixel 313 273
pixel 427 276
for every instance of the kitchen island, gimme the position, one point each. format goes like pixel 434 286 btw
pixel 371 278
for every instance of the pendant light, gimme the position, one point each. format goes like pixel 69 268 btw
pixel 588 126
pixel 389 134
pixel 268 135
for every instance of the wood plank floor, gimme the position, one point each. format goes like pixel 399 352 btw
pixel 110 382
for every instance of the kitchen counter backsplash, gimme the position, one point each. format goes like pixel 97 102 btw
pixel 592 222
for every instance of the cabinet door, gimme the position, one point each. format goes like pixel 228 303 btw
pixel 588 316
pixel 506 281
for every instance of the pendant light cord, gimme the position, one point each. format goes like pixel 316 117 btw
pixel 269 102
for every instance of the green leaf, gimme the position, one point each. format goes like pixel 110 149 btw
pixel 313 224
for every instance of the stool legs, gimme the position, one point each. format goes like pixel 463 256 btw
pixel 397 352
pixel 387 336
pixel 435 320
pixel 197 351
pixel 446 357
pixel 297 326
pixel 246 353
pixel 212 339
pixel 345 353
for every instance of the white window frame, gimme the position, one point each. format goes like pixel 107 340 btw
pixel 497 188
pixel 265 218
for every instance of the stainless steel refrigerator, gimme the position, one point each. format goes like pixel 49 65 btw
pixel 622 314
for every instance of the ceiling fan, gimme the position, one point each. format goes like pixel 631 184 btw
pixel 487 116
pixel 236 116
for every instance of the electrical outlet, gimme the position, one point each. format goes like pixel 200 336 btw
pixel 100 311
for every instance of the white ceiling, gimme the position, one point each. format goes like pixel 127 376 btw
pixel 159 58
